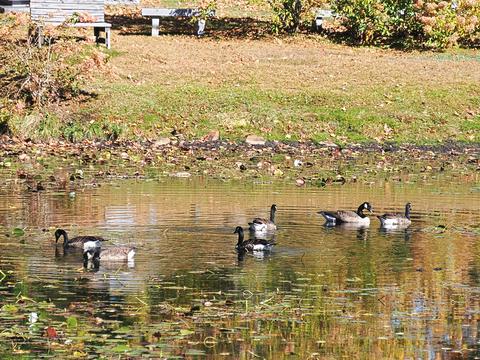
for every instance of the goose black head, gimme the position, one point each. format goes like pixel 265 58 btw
pixel 367 206
pixel 364 206
pixel 61 232
pixel 238 230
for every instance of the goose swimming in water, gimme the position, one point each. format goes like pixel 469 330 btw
pixel 117 253
pixel 251 245
pixel 264 225
pixel 85 242
pixel 396 219
pixel 341 216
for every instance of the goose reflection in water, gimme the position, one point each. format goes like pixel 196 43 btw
pixel 362 231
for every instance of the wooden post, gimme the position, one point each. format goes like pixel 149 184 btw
pixel 107 37
pixel 96 32
pixel 39 35
pixel 155 26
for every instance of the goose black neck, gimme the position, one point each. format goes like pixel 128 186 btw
pixel 240 237
pixel 407 211
pixel 63 233
pixel 65 238
pixel 272 214
pixel 360 211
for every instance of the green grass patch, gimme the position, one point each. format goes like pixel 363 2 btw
pixel 418 116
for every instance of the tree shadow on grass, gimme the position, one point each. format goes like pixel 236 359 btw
pixel 216 28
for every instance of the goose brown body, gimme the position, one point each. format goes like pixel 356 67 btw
pixel 116 253
pixel 345 216
pixel 391 219
pixel 264 225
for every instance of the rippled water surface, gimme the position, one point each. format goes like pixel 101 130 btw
pixel 322 293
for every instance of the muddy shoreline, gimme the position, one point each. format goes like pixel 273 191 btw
pixel 299 162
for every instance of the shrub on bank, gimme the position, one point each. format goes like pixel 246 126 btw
pixel 429 23
pixel 447 24
pixel 375 21
pixel 433 24
pixel 288 15
pixel 34 80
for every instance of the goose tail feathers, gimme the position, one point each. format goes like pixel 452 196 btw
pixel 328 217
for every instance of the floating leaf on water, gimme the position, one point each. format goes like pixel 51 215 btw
pixel 10 308
pixel 121 348
pixel 72 322
pixel 193 352
pixel 18 232
pixel 7 334
pixel 123 329
pixel 51 333
pixel 175 288
pixel 185 332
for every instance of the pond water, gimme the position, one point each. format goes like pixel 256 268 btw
pixel 322 293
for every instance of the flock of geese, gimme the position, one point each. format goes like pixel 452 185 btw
pixel 259 229
pixel 92 249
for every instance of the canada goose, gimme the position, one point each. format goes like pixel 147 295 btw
pixel 85 242
pixel 117 253
pixel 397 219
pixel 340 216
pixel 251 245
pixel 262 225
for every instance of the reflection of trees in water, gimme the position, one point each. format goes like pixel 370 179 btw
pixel 474 263
pixel 56 276
pixel 44 209
pixel 185 287
pixel 399 250
pixel 347 287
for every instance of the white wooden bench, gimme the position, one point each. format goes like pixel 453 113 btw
pixel 98 28
pixel 14 6
pixel 57 12
pixel 157 13
pixel 320 16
